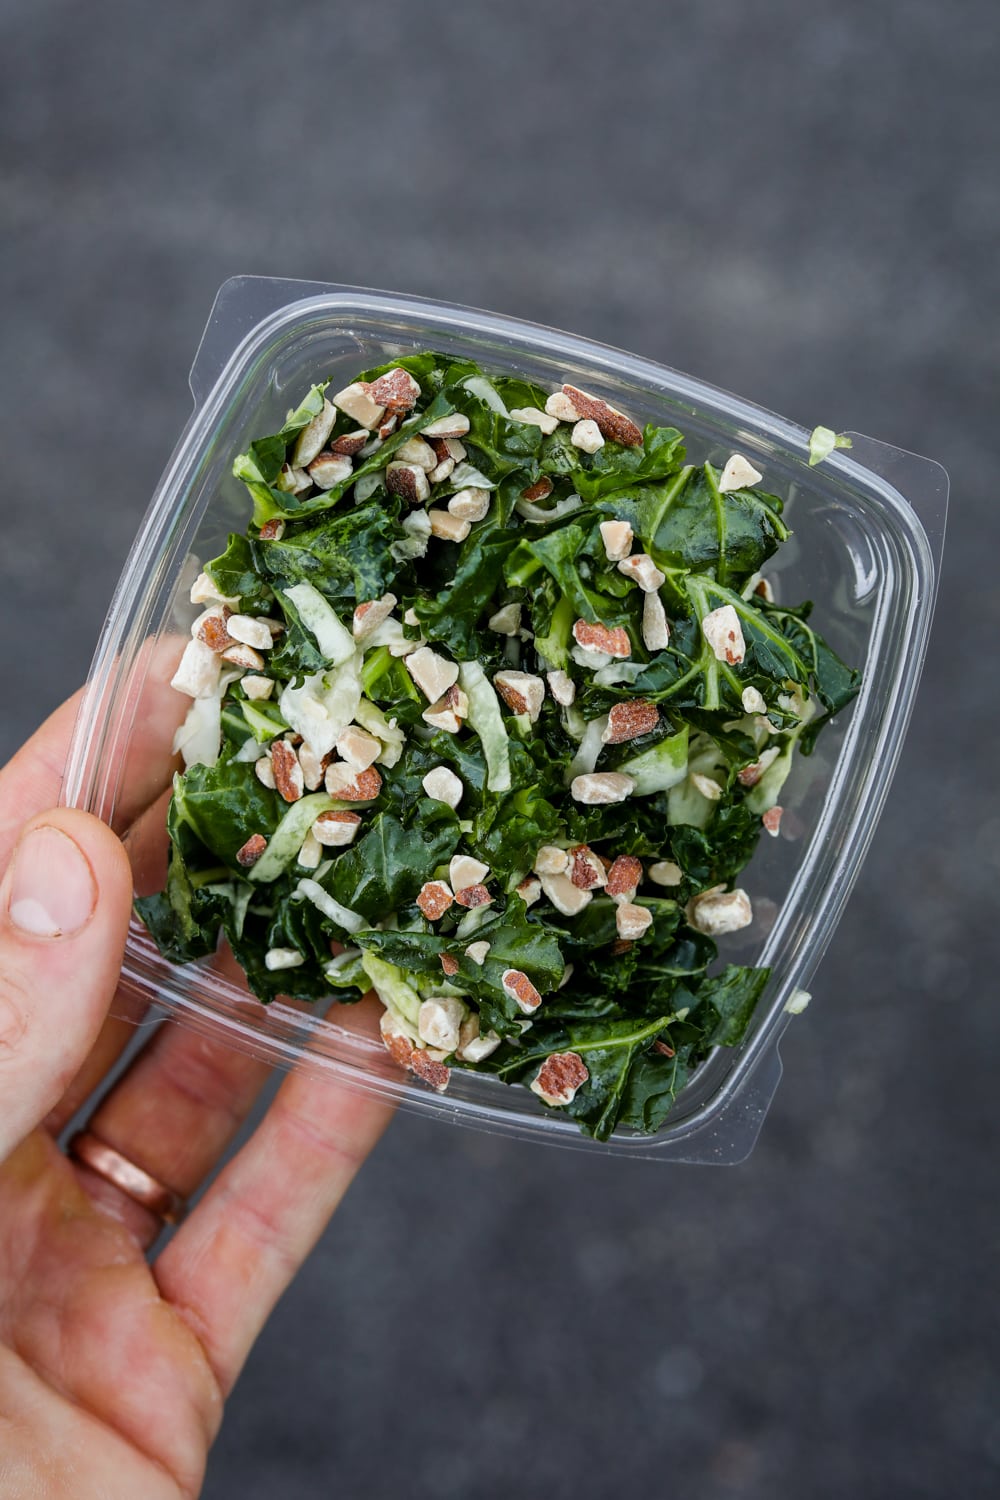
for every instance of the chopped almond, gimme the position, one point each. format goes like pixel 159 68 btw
pixel 251 851
pixel 370 615
pixel 614 425
pixel 585 869
pixel 724 633
pixel 472 896
pixel 624 876
pixel 520 989
pixel 772 820
pixel 434 899
pixel 350 443
pixel 334 830
pixel 429 1069
pixel 273 530
pixel 587 436
pixel 243 656
pixel 408 480
pixel 655 627
pixel 449 964
pixel 522 692
pixel 599 638
pixel 212 628
pixel 455 425
pixel 288 776
pixel 540 490
pixel 628 720
pixel 350 785
pixel 397 391
pixel 599 787
pixel 559 1077
pixel 632 921
pixel 617 537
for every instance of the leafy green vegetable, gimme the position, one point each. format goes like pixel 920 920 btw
pixel 452 843
pixel 822 442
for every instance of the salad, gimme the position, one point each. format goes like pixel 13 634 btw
pixel 490 707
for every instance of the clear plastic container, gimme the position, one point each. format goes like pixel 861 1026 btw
pixel 868 529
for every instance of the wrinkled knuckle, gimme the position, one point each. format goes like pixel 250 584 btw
pixel 14 1012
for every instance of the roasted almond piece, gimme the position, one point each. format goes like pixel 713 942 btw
pixel 450 967
pixel 264 772
pixel 522 692
pixel 440 1018
pixel 447 526
pixel 559 405
pixel 665 872
pixel 724 633
pixel 464 870
pixel 429 1069
pixel 273 530
pixel 613 424
pixel 617 537
pixel 632 921
pixel 753 701
pixel 350 443
pixel 562 687
pixel 292 481
pixel 600 639
pixel 446 447
pixel 628 720
pixel 198 670
pixel 408 480
pixel 585 869
pixel 370 615
pixel 718 911
pixel 250 632
pixel 441 470
pixel 243 656
pixel 398 1043
pixel 530 890
pixel 520 989
pixel 336 829
pixel 350 785
pixel 257 688
pixel 473 895
pixel 655 627
pixel 624 876
pixel 397 391
pixel 507 620
pixel 772 820
pixel 444 786
pixel 455 425
pixel 559 1077
pixel 600 787
pixel 416 451
pixel 739 474
pixel 586 436
pixel 434 899
pixel 356 400
pixel 357 747
pixel 211 627
pixel 540 490
pixel 533 416
pixel 469 504
pixel 566 897
pixel 251 851
pixel 313 436
pixel 642 570
pixel 288 776
pixel 750 775
pixel 433 674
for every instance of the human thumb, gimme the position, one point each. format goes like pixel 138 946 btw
pixel 64 910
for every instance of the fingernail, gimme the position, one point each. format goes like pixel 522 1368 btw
pixel 52 888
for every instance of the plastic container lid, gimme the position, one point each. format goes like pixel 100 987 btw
pixel 868 530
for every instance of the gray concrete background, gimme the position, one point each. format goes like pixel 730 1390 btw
pixel 798 202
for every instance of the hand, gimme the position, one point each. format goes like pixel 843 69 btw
pixel 113 1371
